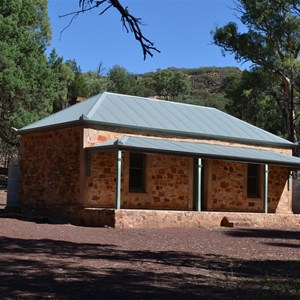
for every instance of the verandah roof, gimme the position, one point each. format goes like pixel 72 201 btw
pixel 194 149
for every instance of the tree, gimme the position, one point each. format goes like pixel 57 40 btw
pixel 77 87
pixel 272 42
pixel 162 82
pixel 252 97
pixel 65 77
pixel 180 84
pixel 83 85
pixel 168 83
pixel 28 86
pixel 96 83
pixel 121 81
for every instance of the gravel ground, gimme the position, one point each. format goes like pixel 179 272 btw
pixel 62 261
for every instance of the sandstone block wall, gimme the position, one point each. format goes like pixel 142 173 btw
pixel 92 137
pixel 191 219
pixel 279 191
pixel 101 184
pixel 227 188
pixel 53 173
pixel 127 218
pixel 225 182
pixel 50 168
pixel 169 183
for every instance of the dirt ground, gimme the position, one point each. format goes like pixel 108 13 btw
pixel 62 261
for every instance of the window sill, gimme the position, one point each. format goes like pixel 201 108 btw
pixel 254 199
pixel 136 192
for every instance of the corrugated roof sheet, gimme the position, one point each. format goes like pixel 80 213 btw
pixel 109 109
pixel 202 150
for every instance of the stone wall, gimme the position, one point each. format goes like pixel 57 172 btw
pixel 50 168
pixel 227 188
pixel 101 184
pixel 225 182
pixel 93 137
pixel 279 191
pixel 169 183
pixel 53 173
pixel 127 218
pixel 191 219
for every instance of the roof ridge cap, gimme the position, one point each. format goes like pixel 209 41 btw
pixel 176 103
pixel 96 106
pixel 254 126
pixel 160 100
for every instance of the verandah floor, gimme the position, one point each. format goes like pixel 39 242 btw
pixel 134 218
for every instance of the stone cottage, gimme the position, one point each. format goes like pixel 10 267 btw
pixel 121 160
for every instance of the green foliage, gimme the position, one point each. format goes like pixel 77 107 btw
pixel 206 86
pixel 28 86
pixel 95 83
pixel 64 77
pixel 201 86
pixel 162 82
pixel 82 85
pixel 32 86
pixel 121 81
pixel 252 97
pixel 170 83
pixel 272 42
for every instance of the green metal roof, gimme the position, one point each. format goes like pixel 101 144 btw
pixel 193 149
pixel 158 116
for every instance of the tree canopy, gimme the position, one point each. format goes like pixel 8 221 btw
pixel 252 97
pixel 28 85
pixel 272 41
pixel 33 86
pixel 170 83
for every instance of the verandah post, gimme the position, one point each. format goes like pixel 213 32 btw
pixel 118 179
pixel 199 187
pixel 266 189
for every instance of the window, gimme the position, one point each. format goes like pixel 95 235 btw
pixel 253 181
pixel 137 172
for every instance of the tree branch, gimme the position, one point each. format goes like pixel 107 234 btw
pixel 130 22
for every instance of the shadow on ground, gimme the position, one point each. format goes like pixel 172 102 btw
pixel 38 269
pixel 266 233
pixel 286 238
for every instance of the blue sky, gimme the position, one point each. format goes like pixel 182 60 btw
pixel 180 29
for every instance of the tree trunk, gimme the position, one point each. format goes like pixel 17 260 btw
pixel 290 109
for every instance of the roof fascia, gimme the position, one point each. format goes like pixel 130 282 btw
pixel 78 122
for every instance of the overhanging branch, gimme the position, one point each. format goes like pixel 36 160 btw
pixel 130 22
